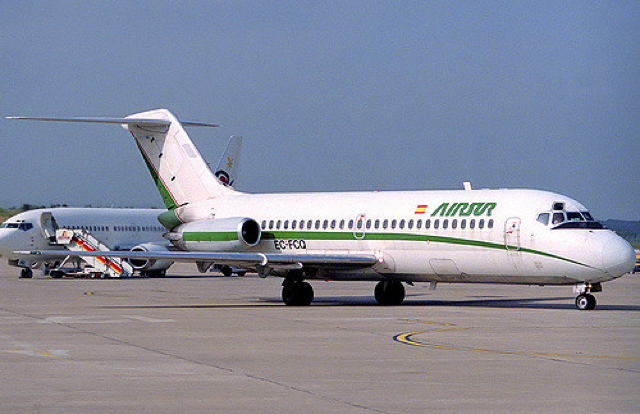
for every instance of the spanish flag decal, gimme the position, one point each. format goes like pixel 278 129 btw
pixel 421 209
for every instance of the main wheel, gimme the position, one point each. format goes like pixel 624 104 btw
pixel 586 302
pixel 389 292
pixel 56 274
pixel 297 294
pixel 26 273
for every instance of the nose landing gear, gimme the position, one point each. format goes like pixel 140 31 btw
pixel 585 300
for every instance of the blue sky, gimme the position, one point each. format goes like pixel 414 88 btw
pixel 329 96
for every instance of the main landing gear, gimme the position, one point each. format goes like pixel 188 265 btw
pixel 295 291
pixel 26 273
pixel 585 300
pixel 389 292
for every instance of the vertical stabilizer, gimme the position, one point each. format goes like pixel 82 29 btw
pixel 227 169
pixel 179 171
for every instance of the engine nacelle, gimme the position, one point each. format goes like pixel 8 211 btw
pixel 228 234
pixel 150 265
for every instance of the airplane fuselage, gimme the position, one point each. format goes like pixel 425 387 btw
pixel 488 236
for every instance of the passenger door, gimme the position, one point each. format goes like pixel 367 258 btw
pixel 512 233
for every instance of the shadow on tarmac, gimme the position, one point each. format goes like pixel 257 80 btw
pixel 350 301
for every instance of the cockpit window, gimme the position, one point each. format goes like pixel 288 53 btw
pixel 570 220
pixel 543 218
pixel 577 220
pixel 591 225
pixel 587 216
pixel 574 216
pixel 24 226
pixel 558 218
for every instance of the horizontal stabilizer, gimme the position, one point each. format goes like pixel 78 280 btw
pixel 122 121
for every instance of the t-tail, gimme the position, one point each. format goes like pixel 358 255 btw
pixel 179 171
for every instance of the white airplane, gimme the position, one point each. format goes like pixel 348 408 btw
pixel 118 228
pixel 468 236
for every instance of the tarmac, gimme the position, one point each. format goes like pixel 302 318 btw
pixel 193 343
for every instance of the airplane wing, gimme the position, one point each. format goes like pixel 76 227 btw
pixel 256 261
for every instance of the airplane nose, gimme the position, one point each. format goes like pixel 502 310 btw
pixel 618 257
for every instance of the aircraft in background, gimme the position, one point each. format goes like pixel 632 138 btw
pixel 507 236
pixel 117 228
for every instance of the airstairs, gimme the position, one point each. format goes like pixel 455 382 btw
pixel 81 240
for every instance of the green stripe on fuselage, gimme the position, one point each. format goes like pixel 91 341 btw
pixel 347 236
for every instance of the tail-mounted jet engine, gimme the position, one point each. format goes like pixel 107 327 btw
pixel 228 234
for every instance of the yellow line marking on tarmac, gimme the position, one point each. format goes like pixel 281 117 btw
pixel 405 338
pixel 45 353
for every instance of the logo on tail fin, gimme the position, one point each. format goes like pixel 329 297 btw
pixel 223 176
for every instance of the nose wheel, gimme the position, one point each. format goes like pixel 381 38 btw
pixel 586 301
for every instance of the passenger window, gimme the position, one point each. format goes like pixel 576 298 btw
pixel 350 224
pixel 402 224
pixel 317 224
pixel 270 224
pixel 359 224
pixel 436 223
pixel 341 224
pixel 393 224
pixel 286 224
pixel 445 223
pixel 293 225
pixel 543 218
pixel 333 224
pixel 377 224
pixel 427 224
pixel 490 224
pixel 463 224
pixel 419 224
pixel 368 224
pixel 481 224
pixel 472 224
pixel 278 224
pixel 410 224
pixel 454 224
pixel 385 224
